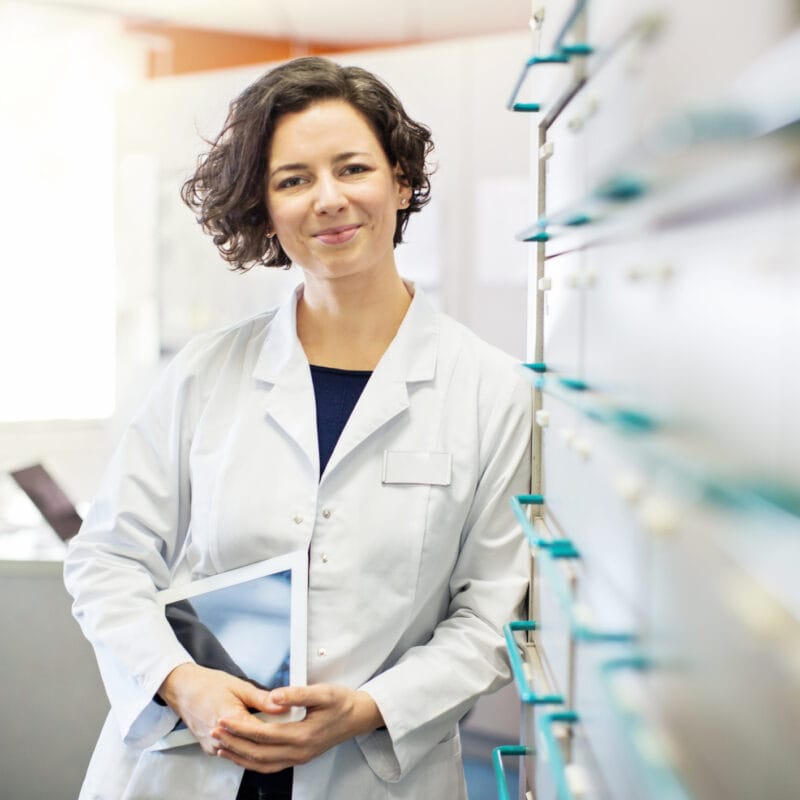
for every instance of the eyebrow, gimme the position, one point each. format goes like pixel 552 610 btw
pixel 299 165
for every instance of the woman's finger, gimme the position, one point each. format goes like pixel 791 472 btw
pixel 298 752
pixel 265 767
pixel 258 731
pixel 260 699
pixel 247 748
pixel 319 694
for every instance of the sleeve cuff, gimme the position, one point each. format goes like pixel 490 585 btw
pixel 152 723
pixel 141 721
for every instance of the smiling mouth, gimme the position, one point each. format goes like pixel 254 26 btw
pixel 340 235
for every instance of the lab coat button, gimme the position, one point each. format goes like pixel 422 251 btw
pixel 324 558
pixel 298 519
pixel 326 512
pixel 322 652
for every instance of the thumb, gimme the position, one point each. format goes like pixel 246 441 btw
pixel 302 695
pixel 256 698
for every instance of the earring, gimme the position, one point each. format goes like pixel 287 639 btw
pixel 403 201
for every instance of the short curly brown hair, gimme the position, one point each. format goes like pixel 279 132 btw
pixel 227 189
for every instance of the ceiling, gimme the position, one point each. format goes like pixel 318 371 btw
pixel 342 21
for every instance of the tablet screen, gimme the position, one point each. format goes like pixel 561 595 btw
pixel 249 622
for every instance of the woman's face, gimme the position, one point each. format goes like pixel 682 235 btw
pixel 331 193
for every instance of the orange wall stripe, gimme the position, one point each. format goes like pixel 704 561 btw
pixel 178 50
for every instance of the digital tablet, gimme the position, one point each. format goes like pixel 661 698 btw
pixel 249 622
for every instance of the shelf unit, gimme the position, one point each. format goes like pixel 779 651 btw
pixel 661 658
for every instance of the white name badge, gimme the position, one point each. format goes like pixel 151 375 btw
pixel 433 469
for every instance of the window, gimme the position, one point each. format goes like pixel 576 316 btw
pixel 57 308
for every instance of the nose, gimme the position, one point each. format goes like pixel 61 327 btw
pixel 329 198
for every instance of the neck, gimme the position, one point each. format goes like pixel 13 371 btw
pixel 349 323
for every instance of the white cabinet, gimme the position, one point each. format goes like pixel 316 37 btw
pixel 667 442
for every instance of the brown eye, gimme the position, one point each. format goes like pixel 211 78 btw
pixel 290 183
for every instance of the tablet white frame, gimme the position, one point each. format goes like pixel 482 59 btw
pixel 297 562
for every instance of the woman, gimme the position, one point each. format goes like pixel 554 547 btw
pixel 353 421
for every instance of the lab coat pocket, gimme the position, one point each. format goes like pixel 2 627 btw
pixel 432 469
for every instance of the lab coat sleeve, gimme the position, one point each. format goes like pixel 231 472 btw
pixel 122 555
pixel 432 686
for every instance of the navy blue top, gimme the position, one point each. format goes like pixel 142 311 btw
pixel 336 392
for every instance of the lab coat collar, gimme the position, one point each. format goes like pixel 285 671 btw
pixel 281 346
pixel 412 354
pixel 411 357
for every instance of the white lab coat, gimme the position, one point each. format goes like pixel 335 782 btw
pixel 409 584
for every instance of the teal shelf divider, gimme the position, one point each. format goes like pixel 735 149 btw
pixel 543 229
pixel 539 236
pixel 581 631
pixel 750 497
pixel 527 694
pixel 533 61
pixel 577 220
pixel 536 366
pixel 580 49
pixel 579 395
pixel 533 234
pixel 562 53
pixel 531 108
pixel 621 189
pixel 555 759
pixel 497 762
pixel 575 384
pixel 560 548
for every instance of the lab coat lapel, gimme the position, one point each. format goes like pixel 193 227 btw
pixel 411 357
pixel 283 363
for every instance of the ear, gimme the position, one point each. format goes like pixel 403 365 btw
pixel 403 189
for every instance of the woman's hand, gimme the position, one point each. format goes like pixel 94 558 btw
pixel 202 697
pixel 333 714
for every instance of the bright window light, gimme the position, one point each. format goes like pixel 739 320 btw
pixel 57 305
